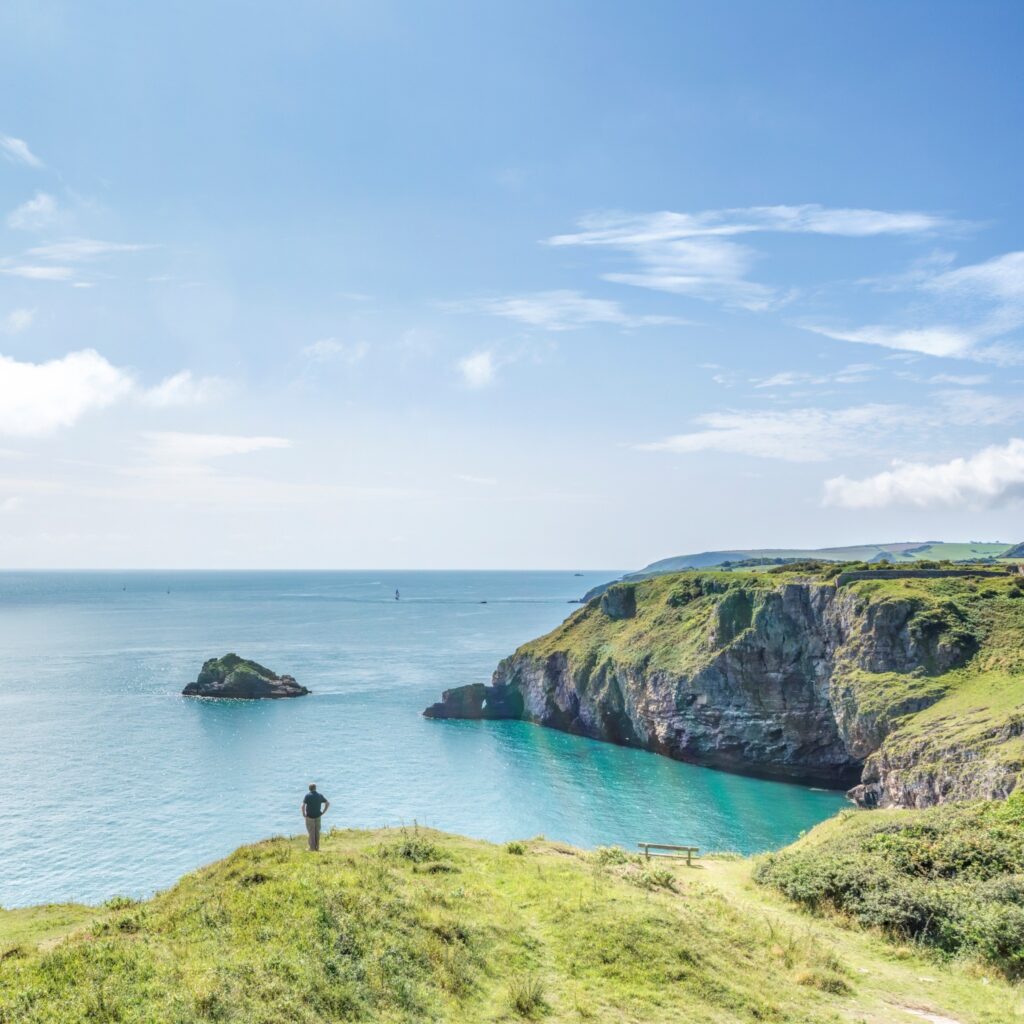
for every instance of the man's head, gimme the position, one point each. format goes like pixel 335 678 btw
pixel 312 787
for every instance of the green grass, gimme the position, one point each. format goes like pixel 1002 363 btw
pixel 949 877
pixel 31 927
pixel 421 926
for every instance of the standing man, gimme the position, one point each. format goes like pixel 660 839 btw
pixel 314 806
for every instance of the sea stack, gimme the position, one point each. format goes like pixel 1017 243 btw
pixel 235 678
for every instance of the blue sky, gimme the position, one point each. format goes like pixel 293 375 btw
pixel 474 285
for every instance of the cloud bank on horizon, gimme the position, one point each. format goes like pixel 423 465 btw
pixel 476 346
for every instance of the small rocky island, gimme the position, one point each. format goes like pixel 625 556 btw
pixel 235 678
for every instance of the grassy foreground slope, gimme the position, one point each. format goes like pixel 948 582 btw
pixel 420 926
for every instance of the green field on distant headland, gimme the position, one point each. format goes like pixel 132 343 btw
pixel 415 926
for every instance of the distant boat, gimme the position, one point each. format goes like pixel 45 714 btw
pixel 577 574
pixel 398 596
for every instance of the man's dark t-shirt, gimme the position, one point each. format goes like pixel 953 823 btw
pixel 314 803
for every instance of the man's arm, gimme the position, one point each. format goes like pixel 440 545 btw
pixel 303 806
pixel 327 804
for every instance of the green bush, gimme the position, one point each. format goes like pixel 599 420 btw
pixel 515 848
pixel 606 856
pixel 526 996
pixel 950 877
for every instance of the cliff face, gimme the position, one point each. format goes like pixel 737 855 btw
pixel 770 676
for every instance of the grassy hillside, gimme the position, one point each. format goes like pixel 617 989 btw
pixel 420 926
pixel 899 552
pixel 950 877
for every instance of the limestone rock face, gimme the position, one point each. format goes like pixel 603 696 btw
pixel 235 678
pixel 772 682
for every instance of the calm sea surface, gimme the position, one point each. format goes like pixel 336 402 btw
pixel 111 782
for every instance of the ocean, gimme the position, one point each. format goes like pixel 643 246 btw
pixel 112 783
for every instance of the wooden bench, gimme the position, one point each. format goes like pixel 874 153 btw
pixel 674 851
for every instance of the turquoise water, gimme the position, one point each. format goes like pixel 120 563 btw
pixel 111 782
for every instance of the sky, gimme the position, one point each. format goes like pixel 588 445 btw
pixel 553 284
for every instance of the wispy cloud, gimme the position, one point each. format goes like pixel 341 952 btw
pixel 480 481
pixel 182 389
pixel 992 476
pixel 795 435
pixel 37 273
pixel 39 398
pixel 816 434
pixel 478 370
pixel 78 250
pixel 34 214
pixel 972 310
pixel 560 310
pixel 693 254
pixel 10 504
pixel 855 373
pixel 18 320
pixel 17 151
pixel 178 447
pixel 929 341
pixel 331 350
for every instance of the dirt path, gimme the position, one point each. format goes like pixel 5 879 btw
pixel 891 984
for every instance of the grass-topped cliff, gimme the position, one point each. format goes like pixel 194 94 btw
pixel 415 926
pixel 911 687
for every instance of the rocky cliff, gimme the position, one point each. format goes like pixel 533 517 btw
pixel 909 691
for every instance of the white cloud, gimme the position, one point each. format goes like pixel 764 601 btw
pixel 38 398
pixel 35 273
pixel 177 447
pixel 183 389
pixel 692 254
pixel 18 320
pixel 975 306
pixel 815 434
pixel 478 370
pixel 11 504
pixel 560 310
pixel 76 250
pixel 963 380
pixel 796 435
pixel 480 481
pixel 330 350
pixel 17 151
pixel 929 341
pixel 36 213
pixel 855 373
pixel 992 476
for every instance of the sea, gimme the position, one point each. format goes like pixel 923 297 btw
pixel 112 783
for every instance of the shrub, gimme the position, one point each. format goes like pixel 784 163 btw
pixel 605 856
pixel 526 996
pixel 950 877
pixel 823 980
pixel 654 878
pixel 414 849
pixel 515 848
